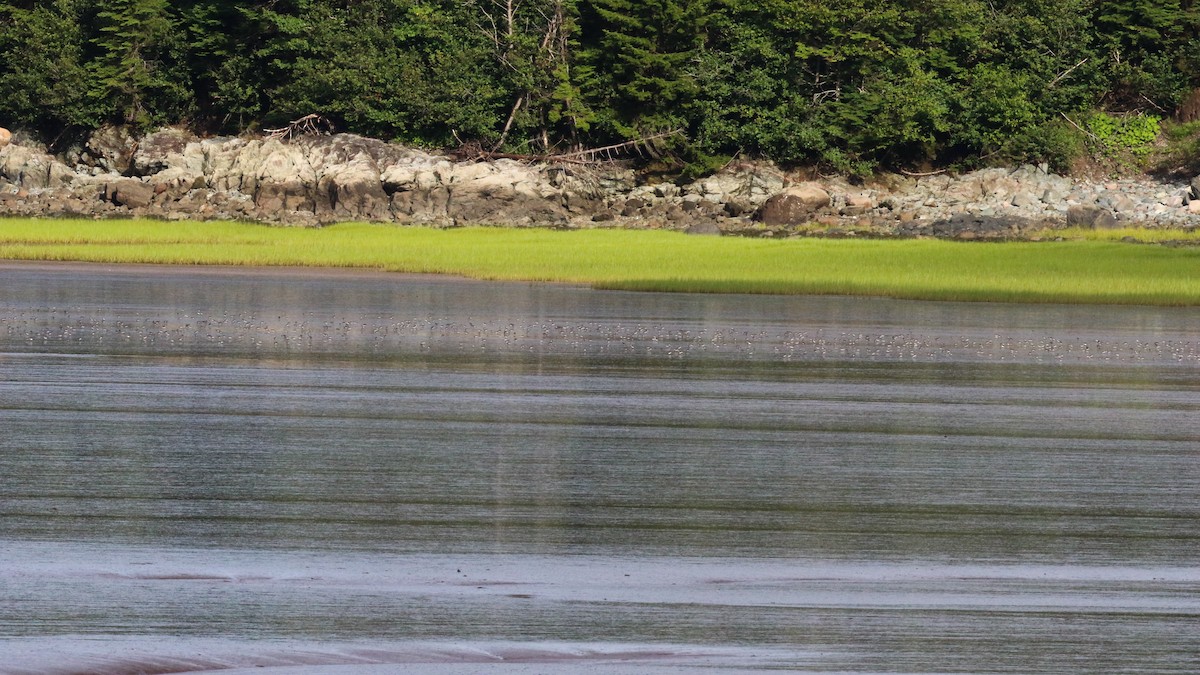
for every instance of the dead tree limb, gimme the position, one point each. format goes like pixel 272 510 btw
pixel 1064 73
pixel 653 146
pixel 512 116
pixel 1085 131
pixel 922 174
pixel 309 125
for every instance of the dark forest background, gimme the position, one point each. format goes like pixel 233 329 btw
pixel 851 85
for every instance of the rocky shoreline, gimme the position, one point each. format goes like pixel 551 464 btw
pixel 315 180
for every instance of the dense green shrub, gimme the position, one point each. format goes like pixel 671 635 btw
pixel 43 76
pixel 1134 134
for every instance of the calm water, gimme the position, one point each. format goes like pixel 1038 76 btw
pixel 362 473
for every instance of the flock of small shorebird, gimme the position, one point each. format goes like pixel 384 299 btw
pixel 76 330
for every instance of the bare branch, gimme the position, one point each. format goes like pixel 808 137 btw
pixel 922 174
pixel 1154 105
pixel 1064 73
pixel 1089 134
pixel 647 146
pixel 309 125
pixel 643 145
pixel 512 115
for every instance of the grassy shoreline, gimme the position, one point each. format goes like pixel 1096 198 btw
pixel 1094 272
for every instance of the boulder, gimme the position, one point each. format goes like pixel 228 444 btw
pixel 736 207
pixel 703 227
pixel 129 192
pixel 861 199
pixel 1095 217
pixel 722 186
pixel 794 206
pixel 60 175
pixel 1025 199
pixel 220 160
pixel 175 182
pixel 762 181
pixel 5 137
pixel 969 226
pixel 31 169
pixel 65 205
pixel 111 148
pixel 164 149
pixel 666 190
pixel 858 202
pixel 633 207
pixel 1053 196
pixel 1117 202
pixel 343 148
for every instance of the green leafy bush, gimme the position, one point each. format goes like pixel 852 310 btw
pixel 1055 142
pixel 1118 134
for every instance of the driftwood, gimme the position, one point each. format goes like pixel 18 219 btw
pixel 309 125
pixel 653 146
pixel 922 174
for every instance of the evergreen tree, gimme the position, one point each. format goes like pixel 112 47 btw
pixel 1148 44
pixel 532 44
pixel 414 70
pixel 43 80
pixel 223 42
pixel 133 63
pixel 850 85
pixel 648 54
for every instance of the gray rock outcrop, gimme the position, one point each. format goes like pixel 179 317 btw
pixel 313 180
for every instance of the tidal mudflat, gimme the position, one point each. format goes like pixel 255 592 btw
pixel 333 472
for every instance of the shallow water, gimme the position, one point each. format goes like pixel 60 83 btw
pixel 351 472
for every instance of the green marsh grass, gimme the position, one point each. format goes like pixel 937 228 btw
pixel 1067 271
pixel 1145 235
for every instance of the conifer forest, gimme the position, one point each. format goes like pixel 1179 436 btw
pixel 852 85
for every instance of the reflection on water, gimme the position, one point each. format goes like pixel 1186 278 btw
pixel 424 471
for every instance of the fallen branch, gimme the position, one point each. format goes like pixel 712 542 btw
pixel 652 146
pixel 646 145
pixel 1085 131
pixel 922 174
pixel 1156 106
pixel 309 125
pixel 543 159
